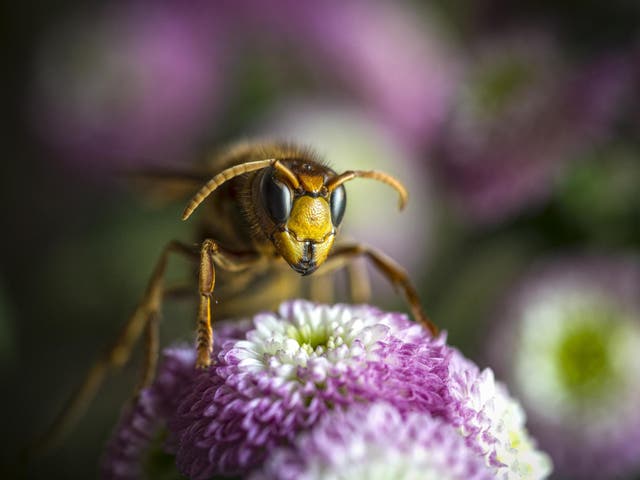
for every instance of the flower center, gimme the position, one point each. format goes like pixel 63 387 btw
pixel 310 338
pixel 583 355
pixel 313 337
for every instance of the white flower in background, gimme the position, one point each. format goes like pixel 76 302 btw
pixel 572 338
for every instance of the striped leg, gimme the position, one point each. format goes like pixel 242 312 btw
pixel 211 254
pixel 398 277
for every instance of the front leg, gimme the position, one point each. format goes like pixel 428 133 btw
pixel 393 272
pixel 211 254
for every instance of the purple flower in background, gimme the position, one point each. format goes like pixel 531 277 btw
pixel 282 375
pixel 377 442
pixel 521 115
pixel 569 343
pixel 391 59
pixel 130 84
pixel 142 82
pixel 379 54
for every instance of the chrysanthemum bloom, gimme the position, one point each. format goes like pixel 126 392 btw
pixel 127 83
pixel 136 445
pixel 371 442
pixel 293 367
pixel 290 369
pixel 493 422
pixel 570 344
pixel 521 114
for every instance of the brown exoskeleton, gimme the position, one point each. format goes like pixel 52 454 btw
pixel 267 202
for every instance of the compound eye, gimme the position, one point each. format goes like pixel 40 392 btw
pixel 276 197
pixel 338 203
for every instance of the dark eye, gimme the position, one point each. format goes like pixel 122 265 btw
pixel 276 197
pixel 338 203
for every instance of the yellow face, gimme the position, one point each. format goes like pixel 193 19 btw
pixel 308 234
pixel 301 216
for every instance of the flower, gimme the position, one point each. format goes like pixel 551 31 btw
pixel 379 54
pixel 377 442
pixel 135 85
pixel 293 367
pixel 144 81
pixel 391 59
pixel 493 422
pixel 522 113
pixel 133 448
pixel 279 376
pixel 573 357
pixel 126 453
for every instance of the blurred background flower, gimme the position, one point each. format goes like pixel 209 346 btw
pixel 569 344
pixel 127 83
pixel 523 111
pixel 513 124
pixel 394 63
pixel 392 60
